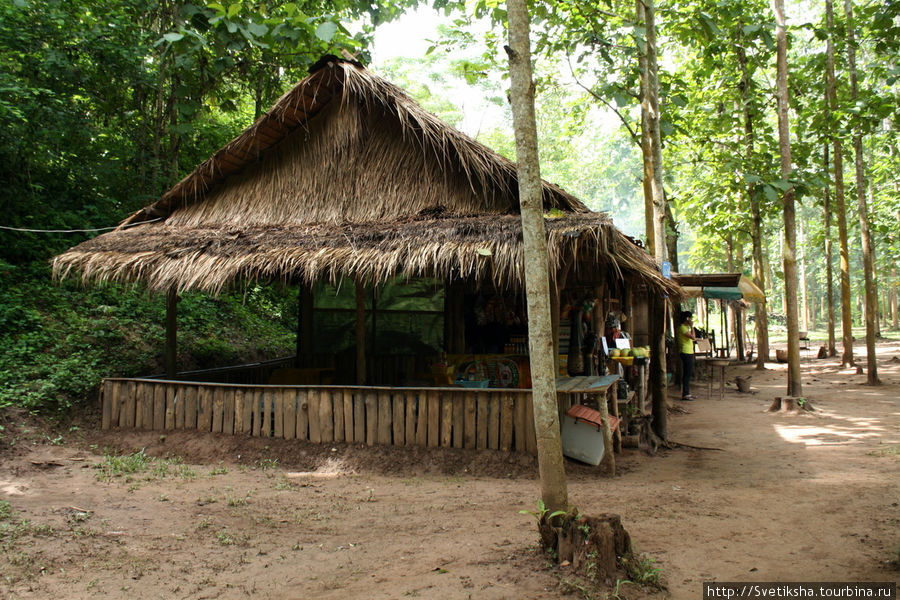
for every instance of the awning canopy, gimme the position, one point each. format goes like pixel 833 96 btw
pixel 720 286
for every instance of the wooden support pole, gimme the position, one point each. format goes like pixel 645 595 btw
pixel 171 332
pixel 304 325
pixel 360 331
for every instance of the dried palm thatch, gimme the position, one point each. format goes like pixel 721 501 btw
pixel 346 175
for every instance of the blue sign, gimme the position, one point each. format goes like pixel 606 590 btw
pixel 667 269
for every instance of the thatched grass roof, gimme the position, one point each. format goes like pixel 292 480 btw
pixel 345 175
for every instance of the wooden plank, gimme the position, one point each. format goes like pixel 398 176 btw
pixel 118 391
pixel 247 412
pixel 459 419
pixel 138 404
pixel 169 422
pixel 326 416
pixel 412 404
pixel 190 407
pixel 494 421
pixel 255 398
pixel 278 412
pixel 507 410
pixel 106 397
pixel 147 394
pixel 347 401
pixel 530 437
pixel 471 417
pixel 228 416
pixel 337 404
pixel 268 402
pixel 205 409
pixel 106 402
pixel 117 402
pixel 315 425
pixel 290 413
pixel 359 417
pixel 238 411
pixel 126 405
pixel 371 417
pixel 399 418
pixel 159 406
pixel 218 409
pixel 446 419
pixel 302 415
pixel 481 422
pixel 179 407
pixel 384 418
pixel 521 416
pixel 434 418
pixel 421 419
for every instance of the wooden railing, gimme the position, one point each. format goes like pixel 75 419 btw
pixel 246 373
pixel 498 419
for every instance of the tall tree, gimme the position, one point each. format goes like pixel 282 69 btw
pixel 840 208
pixel 794 382
pixel 868 249
pixel 829 270
pixel 537 277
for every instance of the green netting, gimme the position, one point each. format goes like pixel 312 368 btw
pixel 409 318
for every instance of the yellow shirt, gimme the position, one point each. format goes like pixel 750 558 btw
pixel 685 343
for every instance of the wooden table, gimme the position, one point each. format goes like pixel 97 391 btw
pixel 721 364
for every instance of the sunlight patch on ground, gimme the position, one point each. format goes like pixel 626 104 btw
pixel 12 488
pixel 824 435
pixel 330 469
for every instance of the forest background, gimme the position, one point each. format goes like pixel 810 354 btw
pixel 105 105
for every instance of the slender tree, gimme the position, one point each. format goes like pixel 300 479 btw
pixel 537 278
pixel 794 383
pixel 840 208
pixel 868 248
pixel 829 270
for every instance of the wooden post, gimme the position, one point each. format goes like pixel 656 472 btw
pixel 171 332
pixel 304 325
pixel 360 332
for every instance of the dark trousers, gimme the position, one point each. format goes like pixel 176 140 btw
pixel 687 371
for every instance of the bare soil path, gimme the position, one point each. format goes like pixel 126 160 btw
pixel 803 497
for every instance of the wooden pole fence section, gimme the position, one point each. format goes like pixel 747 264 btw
pixel 431 417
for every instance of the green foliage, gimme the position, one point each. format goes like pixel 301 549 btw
pixel 641 570
pixel 60 340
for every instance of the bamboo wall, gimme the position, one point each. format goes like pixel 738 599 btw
pixel 495 419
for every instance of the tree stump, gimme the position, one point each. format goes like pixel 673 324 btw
pixel 790 404
pixel 593 545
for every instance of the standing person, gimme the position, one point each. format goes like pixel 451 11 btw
pixel 686 338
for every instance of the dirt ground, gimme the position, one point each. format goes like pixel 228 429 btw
pixel 774 497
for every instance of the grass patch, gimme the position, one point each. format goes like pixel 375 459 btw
pixel 138 466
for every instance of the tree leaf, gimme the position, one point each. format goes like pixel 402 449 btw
pixel 234 10
pixel 484 252
pixel 258 29
pixel 173 37
pixel 326 30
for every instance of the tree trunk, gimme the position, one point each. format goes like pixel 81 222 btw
pixel 651 148
pixel 839 204
pixel 759 273
pixel 804 283
pixel 537 278
pixel 794 383
pixel 868 247
pixel 829 270
pixel 894 319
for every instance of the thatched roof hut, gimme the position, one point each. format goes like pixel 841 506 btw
pixel 346 175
